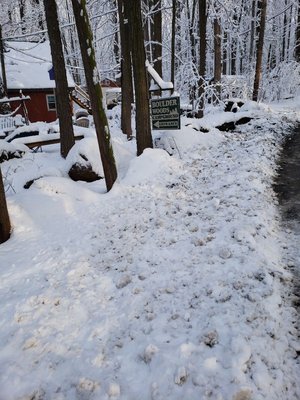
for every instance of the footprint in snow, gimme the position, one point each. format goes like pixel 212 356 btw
pixel 181 376
pixel 123 281
pixel 225 253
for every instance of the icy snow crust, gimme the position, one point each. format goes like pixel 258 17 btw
pixel 171 286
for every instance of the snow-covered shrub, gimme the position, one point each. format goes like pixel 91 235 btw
pixel 282 82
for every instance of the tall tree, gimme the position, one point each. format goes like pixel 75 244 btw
pixel 63 106
pixel 3 81
pixel 193 32
pixel 259 52
pixel 93 84
pixel 5 227
pixel 173 42
pixel 142 115
pixel 202 52
pixel 297 47
pixel 217 55
pixel 156 34
pixel 126 82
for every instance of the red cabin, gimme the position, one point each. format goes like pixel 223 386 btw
pixel 29 69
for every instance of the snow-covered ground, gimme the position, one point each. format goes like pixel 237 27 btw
pixel 174 285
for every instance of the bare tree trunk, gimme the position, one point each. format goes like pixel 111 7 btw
pixel 5 227
pixel 116 36
pixel 202 52
pixel 225 47
pixel 22 14
pixel 297 47
pixel 127 88
pixel 63 106
pixel 143 129
pixel 217 56
pixel 252 30
pixel 93 84
pixel 259 53
pixel 173 42
pixel 233 42
pixel 3 70
pixel 193 32
pixel 156 36
pixel 284 34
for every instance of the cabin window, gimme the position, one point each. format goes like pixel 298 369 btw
pixel 51 103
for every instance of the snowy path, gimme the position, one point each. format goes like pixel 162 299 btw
pixel 169 287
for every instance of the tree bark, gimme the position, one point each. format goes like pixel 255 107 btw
pixel 202 52
pixel 173 42
pixel 5 227
pixel 217 56
pixel 252 31
pixel 156 36
pixel 93 84
pixel 22 14
pixel 127 88
pixel 143 129
pixel 259 52
pixel 63 106
pixel 116 44
pixel 193 32
pixel 3 92
pixel 297 47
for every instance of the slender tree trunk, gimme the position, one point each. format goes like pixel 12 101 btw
pixel 63 106
pixel 252 31
pixel 289 32
pixel 143 129
pixel 193 31
pixel 173 42
pixel 202 52
pixel 259 52
pixel 116 36
pixel 93 84
pixel 233 51
pixel 217 56
pixel 225 47
pixel 3 70
pixel 127 88
pixel 284 34
pixel 5 227
pixel 22 14
pixel 156 36
pixel 297 47
pixel 147 35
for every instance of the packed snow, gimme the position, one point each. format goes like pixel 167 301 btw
pixel 174 285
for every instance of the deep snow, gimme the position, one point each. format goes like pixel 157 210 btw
pixel 174 285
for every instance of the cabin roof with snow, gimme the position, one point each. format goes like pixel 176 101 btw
pixel 28 64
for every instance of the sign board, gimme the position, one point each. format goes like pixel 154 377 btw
pixel 165 113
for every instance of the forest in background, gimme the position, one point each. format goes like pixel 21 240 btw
pixel 172 33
